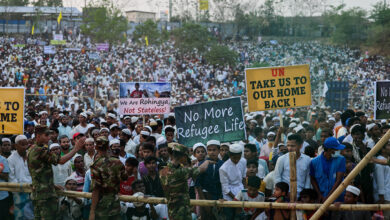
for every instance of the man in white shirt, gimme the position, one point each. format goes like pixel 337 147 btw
pixel 382 180
pixel 83 126
pixel 60 171
pixel 231 175
pixel 19 174
pixel 282 169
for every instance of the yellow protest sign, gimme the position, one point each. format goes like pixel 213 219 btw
pixel 11 110
pixel 278 87
pixel 203 5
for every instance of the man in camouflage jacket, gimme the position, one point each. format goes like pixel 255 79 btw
pixel 174 178
pixel 39 160
pixel 106 172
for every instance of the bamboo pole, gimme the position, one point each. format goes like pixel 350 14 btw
pixel 359 167
pixel 17 187
pixel 293 182
pixel 79 96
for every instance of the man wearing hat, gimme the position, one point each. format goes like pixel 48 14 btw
pixel 327 170
pixel 231 174
pixel 106 172
pixel 5 149
pixel 174 179
pixel 40 160
pixel 351 197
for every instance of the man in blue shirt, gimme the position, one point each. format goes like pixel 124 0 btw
pixel 208 184
pixel 4 199
pixel 327 170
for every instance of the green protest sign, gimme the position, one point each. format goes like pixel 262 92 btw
pixel 218 120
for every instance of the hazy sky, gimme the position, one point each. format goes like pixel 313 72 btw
pixel 151 5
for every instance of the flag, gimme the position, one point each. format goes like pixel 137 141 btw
pixel 146 41
pixel 325 90
pixel 203 5
pixel 32 30
pixel 59 18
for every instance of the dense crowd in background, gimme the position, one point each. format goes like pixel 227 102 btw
pixel 328 143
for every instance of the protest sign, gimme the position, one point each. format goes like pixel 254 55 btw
pixel 49 50
pixel 102 46
pixel 140 98
pixel 58 42
pixel 218 120
pixel 382 100
pixel 278 87
pixel 58 37
pixel 11 110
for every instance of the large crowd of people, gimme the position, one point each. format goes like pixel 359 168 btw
pixel 71 113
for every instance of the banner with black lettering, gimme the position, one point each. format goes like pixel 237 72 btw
pixel 382 100
pixel 278 87
pixel 11 110
pixel 220 120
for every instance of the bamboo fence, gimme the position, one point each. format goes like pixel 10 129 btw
pixel 17 187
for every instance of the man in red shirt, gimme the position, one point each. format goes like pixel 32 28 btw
pixel 136 93
pixel 131 167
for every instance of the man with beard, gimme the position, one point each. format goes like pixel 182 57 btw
pixel 5 147
pixel 62 171
pixel 107 172
pixel 19 174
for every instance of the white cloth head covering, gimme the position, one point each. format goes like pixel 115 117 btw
pixel 127 131
pixel 138 204
pixel 114 141
pixel 5 140
pixel 235 148
pixel 298 129
pixel 53 146
pixel 213 142
pixel 270 133
pixel 197 145
pixel 20 138
pixel 354 190
pixel 370 126
pixel 145 133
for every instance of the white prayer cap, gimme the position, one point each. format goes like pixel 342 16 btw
pixel 292 125
pixel 90 140
pixel 145 133
pixel 354 190
pixel 127 131
pixel 134 119
pixel 111 115
pixel 305 123
pixel 383 121
pixel 114 141
pixel 42 112
pixel 104 129
pixel 332 119
pixel 84 114
pixel 235 148
pixel 71 177
pixel 299 128
pixel 370 126
pixel 53 146
pixel 271 133
pixel 138 204
pixel 171 114
pixel 197 145
pixel 161 140
pixel 213 142
pixel 113 126
pixel 149 128
pixel 20 138
pixel 5 140
pixel 127 117
pixel 276 118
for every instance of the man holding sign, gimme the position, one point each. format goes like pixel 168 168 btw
pixel 278 87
